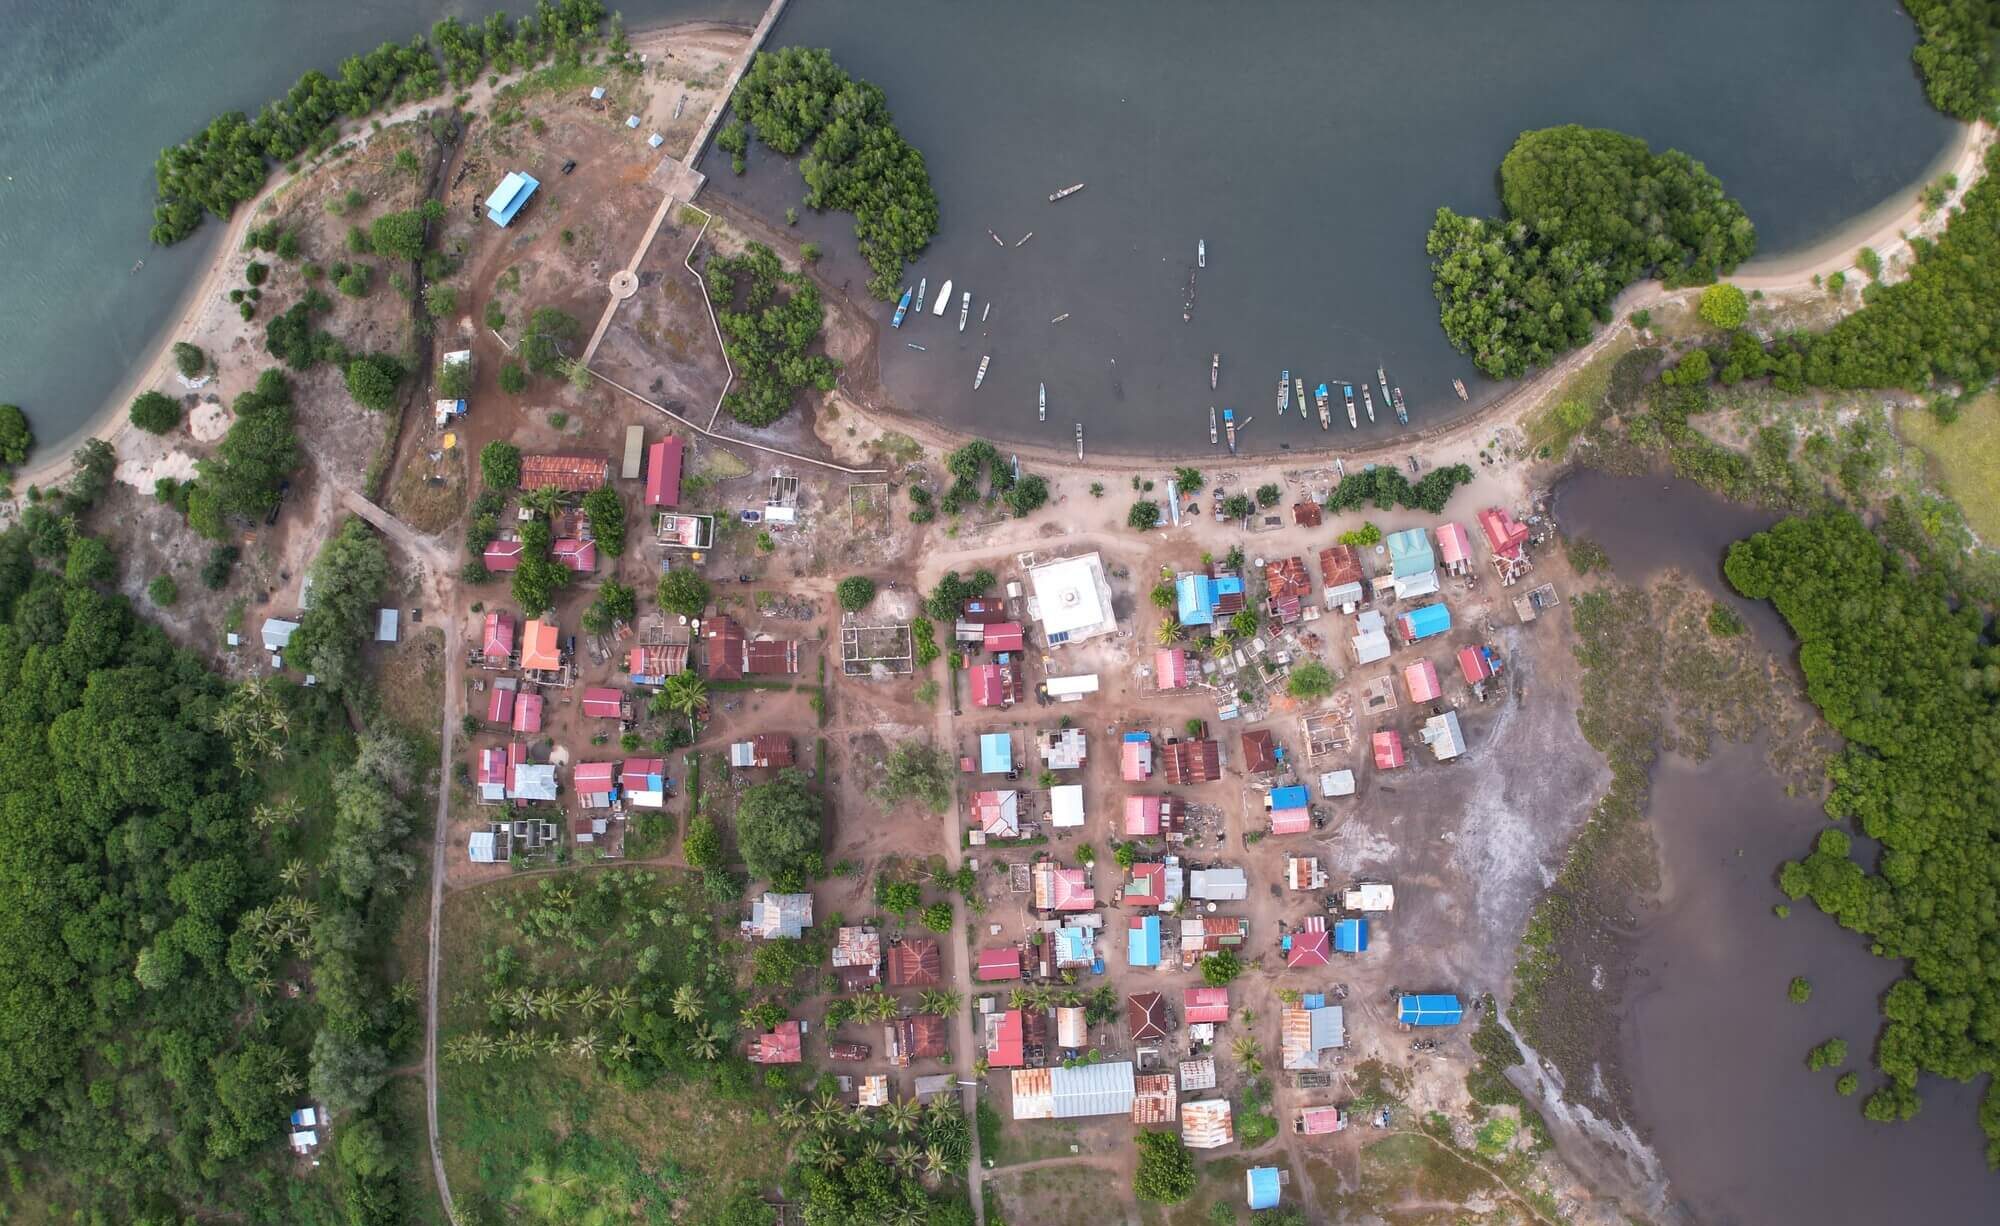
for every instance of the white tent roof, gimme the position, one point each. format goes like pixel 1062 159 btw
pixel 1337 783
pixel 1425 584
pixel 1219 884
pixel 1066 804
pixel 1092 1089
pixel 1073 597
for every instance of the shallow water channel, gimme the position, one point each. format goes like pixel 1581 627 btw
pixel 1714 1051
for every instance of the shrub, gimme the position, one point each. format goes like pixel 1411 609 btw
pixel 1310 680
pixel 189 358
pixel 513 380
pixel 1144 516
pixel 500 465
pixel 256 273
pixel 1166 1169
pixel 440 300
pixel 855 592
pixel 496 318
pixel 215 571
pixel 372 380
pixel 1799 991
pixel 163 591
pixel 1723 306
pixel 156 412
pixel 937 917
pixel 1219 968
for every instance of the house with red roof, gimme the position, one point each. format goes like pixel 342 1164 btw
pixel 1061 889
pixel 1454 548
pixel 528 713
pixel 1310 948
pixel 918 1037
pixel 1204 1005
pixel 1421 679
pixel 1170 668
pixel 784 1045
pixel 541 647
pixel 1340 576
pixel 1476 664
pixel 651 664
pixel 492 776
pixel 1260 752
pixel 1146 1016
pixel 1190 762
pixel 1504 536
pixel 998 963
pixel 497 640
pixel 578 556
pixel 1002 636
pixel 596 783
pixel 645 782
pixel 996 684
pixel 1006 1044
pixel 997 814
pixel 663 472
pixel 1154 816
pixel 916 962
pixel 765 750
pixel 728 655
pixel 1288 586
pixel 500 707
pixel 502 556
pixel 1388 747
pixel 603 702
pixel 576 474
pixel 1148 886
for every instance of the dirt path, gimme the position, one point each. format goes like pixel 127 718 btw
pixel 454 686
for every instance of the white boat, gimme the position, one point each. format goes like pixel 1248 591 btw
pixel 1211 425
pixel 964 309
pixel 922 285
pixel 943 301
pixel 1382 377
pixel 988 311
pixel 997 240
pixel 1042 405
pixel 1367 400
pixel 1071 190
pixel 981 376
pixel 1201 254
pixel 1058 319
pixel 1024 238
pixel 1214 369
pixel 1079 440
pixel 1300 385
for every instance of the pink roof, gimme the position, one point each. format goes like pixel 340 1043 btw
pixel 1205 1004
pixel 1000 962
pixel 1072 891
pixel 579 556
pixel 1422 680
pixel 502 555
pixel 663 472
pixel 1007 1050
pixel 1148 887
pixel 1316 1120
pixel 1142 814
pixel 1291 821
pixel 499 638
pixel 602 702
pixel 1472 663
pixel 1135 761
pixel 528 713
pixel 1503 536
pixel 1170 668
pixel 986 688
pixel 781 1046
pixel 593 778
pixel 1388 747
pixel 633 776
pixel 493 765
pixel 1454 545
pixel 1003 636
pixel 1313 947
pixel 500 707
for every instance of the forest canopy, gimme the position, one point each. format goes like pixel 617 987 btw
pixel 858 163
pixel 766 335
pixel 1587 212
pixel 1956 54
pixel 1911 679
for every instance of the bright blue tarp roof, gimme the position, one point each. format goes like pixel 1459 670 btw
pixel 1429 1011
pixel 1142 944
pixel 508 198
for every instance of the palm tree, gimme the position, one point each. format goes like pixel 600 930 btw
pixel 546 498
pixel 900 1115
pixel 457 1050
pixel 822 1152
pixel 274 813
pixel 623 1048
pixel 293 873
pixel 617 1000
pixel 707 1042
pixel 791 1114
pixel 588 999
pixel 584 1046
pixel 289 1083
pixel 827 1111
pixel 906 1214
pixel 262 985
pixel 1217 647
pixel 686 695
pixel 553 1002
pixel 941 1107
pixel 941 1001
pixel 515 1045
pixel 1248 1055
pixel 871 1151
pixel 906 1158
pixel 404 992
pixel 522 1003
pixel 934 1163
pixel 551 1044
pixel 687 1002
pixel 1169 630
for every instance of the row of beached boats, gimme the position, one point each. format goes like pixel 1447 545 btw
pixel 1290 385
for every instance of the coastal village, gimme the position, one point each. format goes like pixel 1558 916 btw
pixel 1233 809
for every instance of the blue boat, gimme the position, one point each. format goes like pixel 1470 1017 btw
pixel 902 309
pixel 1347 392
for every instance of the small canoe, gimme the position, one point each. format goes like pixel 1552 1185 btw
pixel 981 376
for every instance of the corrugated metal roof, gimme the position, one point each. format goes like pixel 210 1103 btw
pixel 1153 1098
pixel 1034 1094
pixel 1092 1089
pixel 1207 1124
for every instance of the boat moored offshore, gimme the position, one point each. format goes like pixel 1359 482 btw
pixel 923 287
pixel 943 299
pixel 1201 253
pixel 902 309
pixel 1382 377
pixel 1229 425
pixel 964 309
pixel 1319 398
pixel 981 376
pixel 1402 412
pixel 1299 385
pixel 1368 401
pixel 1065 193
pixel 1284 390
pixel 1347 393
pixel 1214 370
pixel 1211 425
pixel 1042 405
pixel 1458 385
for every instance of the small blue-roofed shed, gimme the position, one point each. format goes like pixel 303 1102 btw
pixel 1350 936
pixel 1073 945
pixel 1410 553
pixel 1431 619
pixel 1440 1010
pixel 1263 1186
pixel 1196 596
pixel 508 198
pixel 1293 797
pixel 1142 942
pixel 996 753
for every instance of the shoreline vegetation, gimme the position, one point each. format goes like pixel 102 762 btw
pixel 855 160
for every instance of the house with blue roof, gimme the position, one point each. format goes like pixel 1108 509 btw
pixel 1262 1185
pixel 507 199
pixel 1425 622
pixel 1203 598
pixel 1434 1010
pixel 1350 936
pixel 996 753
pixel 1142 941
pixel 1074 947
pixel 1410 553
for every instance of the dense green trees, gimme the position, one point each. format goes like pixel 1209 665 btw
pixel 500 465
pixel 1385 486
pixel 226 163
pixel 1166 1169
pixel 766 334
pixel 1910 678
pixel 549 329
pixel 855 592
pixel 189 359
pixel 777 830
pixel 1587 211
pixel 1956 54
pixel 16 439
pixel 372 379
pixel 1724 306
pixel 858 162
pixel 348 579
pixel 537 577
pixel 916 770
pixel 683 591
pixel 156 412
pixel 606 512
pixel 260 450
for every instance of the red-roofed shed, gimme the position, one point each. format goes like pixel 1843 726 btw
pixel 782 1046
pixel 663 472
pixel 528 713
pixel 1135 760
pixel 498 641
pixel 1421 679
pixel 987 691
pixel 999 963
pixel 603 702
pixel 1503 536
pixel 1142 815
pixel 1148 887
pixel 579 556
pixel 1170 666
pixel 1007 1050
pixel 1474 665
pixel 500 707
pixel 595 782
pixel 1388 746
pixel 1204 1005
pixel 1003 636
pixel 502 556
pixel 1454 548
pixel 1312 947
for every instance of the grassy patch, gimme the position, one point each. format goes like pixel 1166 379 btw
pixel 1412 1167
pixel 1578 402
pixel 410 680
pixel 1965 456
pixel 430 497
